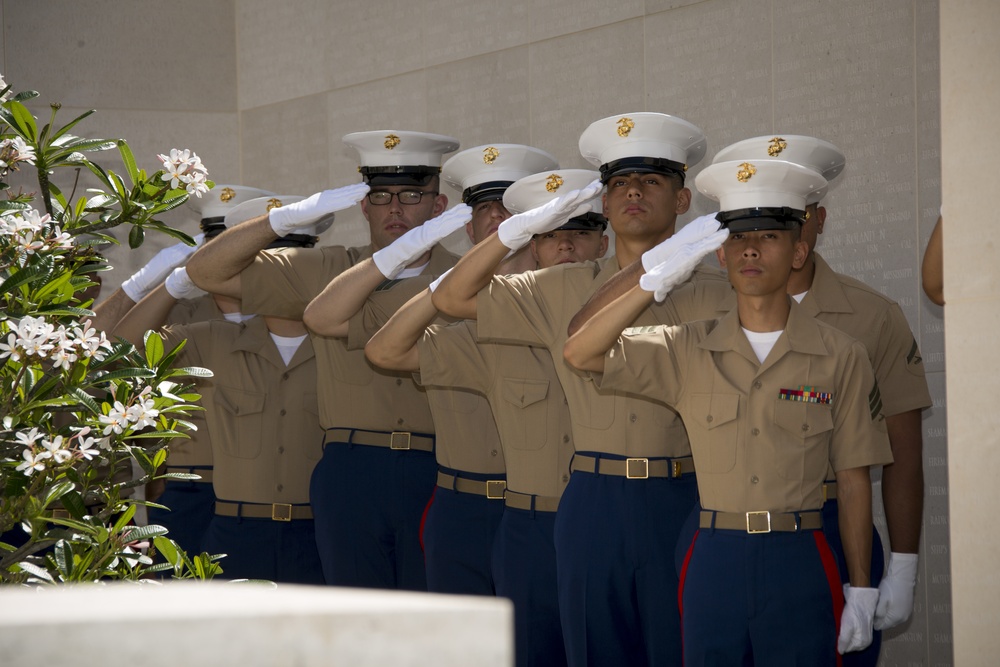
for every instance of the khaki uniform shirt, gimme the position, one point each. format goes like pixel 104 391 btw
pixel 352 392
pixel 197 449
pixel 535 308
pixel 755 447
pixel 878 323
pixel 465 434
pixel 262 415
pixel 524 393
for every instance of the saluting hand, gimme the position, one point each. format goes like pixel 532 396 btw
pixel 414 243
pixel 288 219
pixel 516 231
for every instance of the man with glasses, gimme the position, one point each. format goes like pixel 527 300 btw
pixel 378 468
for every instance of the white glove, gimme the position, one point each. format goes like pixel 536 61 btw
pixel 683 260
pixel 393 258
pixel 695 230
pixel 179 286
pixel 895 593
pixel 516 231
pixel 146 279
pixel 288 219
pixel 856 623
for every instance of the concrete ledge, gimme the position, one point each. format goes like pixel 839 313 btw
pixel 216 623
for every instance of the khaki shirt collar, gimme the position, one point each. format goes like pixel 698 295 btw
pixel 255 338
pixel 826 294
pixel 801 335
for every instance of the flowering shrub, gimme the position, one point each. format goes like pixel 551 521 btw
pixel 77 409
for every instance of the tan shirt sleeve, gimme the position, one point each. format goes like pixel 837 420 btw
pixel 899 366
pixel 860 437
pixel 451 357
pixel 282 282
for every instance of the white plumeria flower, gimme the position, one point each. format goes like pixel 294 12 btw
pixel 25 153
pixel 56 450
pixel 195 184
pixel 3 84
pixel 115 421
pixel 86 446
pixel 142 413
pixel 33 462
pixel 64 357
pixel 28 438
pixel 183 166
pixel 91 342
pixel 11 348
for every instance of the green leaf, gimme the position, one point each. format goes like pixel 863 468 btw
pixel 152 435
pixel 180 476
pixel 122 374
pixel 25 94
pixel 139 533
pixel 193 371
pixel 24 121
pixel 135 237
pixel 36 571
pixel 66 128
pixel 86 399
pixel 26 276
pixel 154 348
pixel 160 457
pixel 73 502
pixel 168 549
pixel 123 520
pixel 57 491
pixel 63 552
pixel 129 159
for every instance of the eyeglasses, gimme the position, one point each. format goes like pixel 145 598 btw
pixel 406 197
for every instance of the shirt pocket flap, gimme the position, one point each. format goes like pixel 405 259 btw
pixel 714 410
pixel 523 393
pixel 239 402
pixel 803 419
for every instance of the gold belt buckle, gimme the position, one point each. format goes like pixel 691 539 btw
pixel 758 522
pixel 495 489
pixel 637 468
pixel 281 512
pixel 399 440
pixel 675 469
pixel 61 514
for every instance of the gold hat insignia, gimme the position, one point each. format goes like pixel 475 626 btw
pixel 273 202
pixel 625 125
pixel 553 182
pixel 226 194
pixel 777 145
pixel 746 171
pixel 391 141
pixel 490 154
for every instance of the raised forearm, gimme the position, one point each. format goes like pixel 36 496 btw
pixel 932 270
pixel 903 482
pixel 109 312
pixel 619 284
pixel 456 295
pixel 585 350
pixel 216 267
pixel 150 313
pixel 854 499
pixel 394 346
pixel 330 313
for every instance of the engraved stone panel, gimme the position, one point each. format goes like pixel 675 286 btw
pixel 457 29
pixel 724 91
pixel 372 40
pixel 581 78
pixel 565 17
pixel 284 146
pixel 108 54
pixel 284 49
pixel 845 72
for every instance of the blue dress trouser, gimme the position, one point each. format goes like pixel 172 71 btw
pixel 279 551
pixel 368 502
pixel 524 569
pixel 458 541
pixel 869 656
pixel 615 541
pixel 760 599
pixel 191 508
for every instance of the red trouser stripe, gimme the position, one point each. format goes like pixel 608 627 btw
pixel 680 586
pixel 423 518
pixel 833 580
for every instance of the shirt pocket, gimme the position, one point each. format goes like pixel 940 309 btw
pixel 802 446
pixel 713 429
pixel 241 422
pixel 530 413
